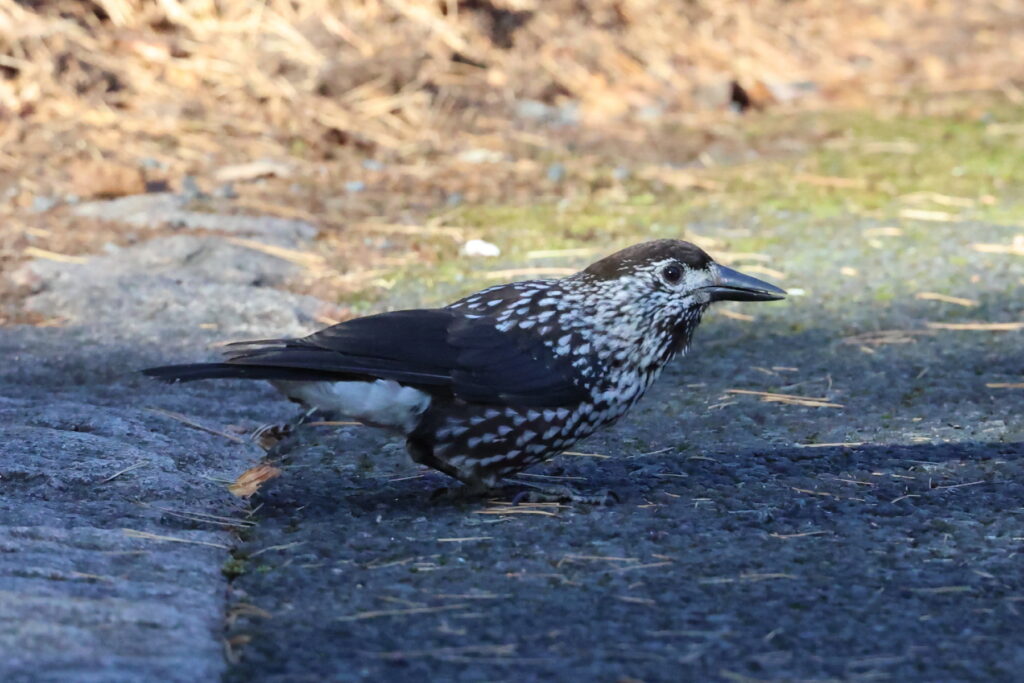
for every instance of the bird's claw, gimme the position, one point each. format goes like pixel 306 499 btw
pixel 456 493
pixel 270 435
pixel 559 493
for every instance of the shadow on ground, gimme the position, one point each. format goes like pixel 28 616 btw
pixel 745 547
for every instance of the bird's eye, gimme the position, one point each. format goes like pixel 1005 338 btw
pixel 672 274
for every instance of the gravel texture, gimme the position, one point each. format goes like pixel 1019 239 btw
pixel 744 548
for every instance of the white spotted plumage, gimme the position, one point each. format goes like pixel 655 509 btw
pixel 580 352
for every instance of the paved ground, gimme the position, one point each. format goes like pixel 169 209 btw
pixel 737 553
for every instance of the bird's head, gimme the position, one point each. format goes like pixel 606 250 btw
pixel 668 284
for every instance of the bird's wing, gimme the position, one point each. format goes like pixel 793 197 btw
pixel 436 349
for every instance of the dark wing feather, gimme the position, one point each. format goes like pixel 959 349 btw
pixel 436 350
pixel 513 367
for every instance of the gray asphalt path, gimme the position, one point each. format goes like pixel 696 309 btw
pixel 745 547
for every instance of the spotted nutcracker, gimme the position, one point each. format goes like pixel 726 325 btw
pixel 509 376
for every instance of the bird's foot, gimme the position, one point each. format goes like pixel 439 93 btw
pixel 270 435
pixel 466 492
pixel 561 493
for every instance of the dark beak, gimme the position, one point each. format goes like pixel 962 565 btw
pixel 733 285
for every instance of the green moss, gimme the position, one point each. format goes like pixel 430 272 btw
pixel 234 567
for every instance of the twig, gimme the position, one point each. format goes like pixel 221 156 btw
pixel 799 535
pixel 935 296
pixel 115 475
pixel 135 533
pixel 979 327
pixel 375 614
pixel 957 486
pixel 194 425
pixel 585 455
pixel 514 511
pixel 36 252
pixel 772 397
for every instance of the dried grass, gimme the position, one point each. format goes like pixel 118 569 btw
pixel 447 99
pixel 187 80
pixel 789 399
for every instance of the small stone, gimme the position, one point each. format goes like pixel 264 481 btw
pixel 190 189
pixel 105 179
pixel 556 172
pixel 43 204
pixel 253 170
pixel 354 186
pixel 533 109
pixel 482 248
pixel 479 155
pixel 226 191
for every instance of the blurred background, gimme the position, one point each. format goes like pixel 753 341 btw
pixel 828 488
pixel 404 129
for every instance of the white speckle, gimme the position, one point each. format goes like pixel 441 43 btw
pixel 503 430
pixel 525 437
pixel 491 413
pixel 474 442
pixel 527 324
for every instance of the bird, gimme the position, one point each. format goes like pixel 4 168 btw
pixel 510 376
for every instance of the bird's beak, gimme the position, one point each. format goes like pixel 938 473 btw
pixel 732 285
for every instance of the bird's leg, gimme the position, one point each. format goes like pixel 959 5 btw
pixel 560 493
pixel 472 487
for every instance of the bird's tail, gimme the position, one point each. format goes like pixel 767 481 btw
pixel 194 371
